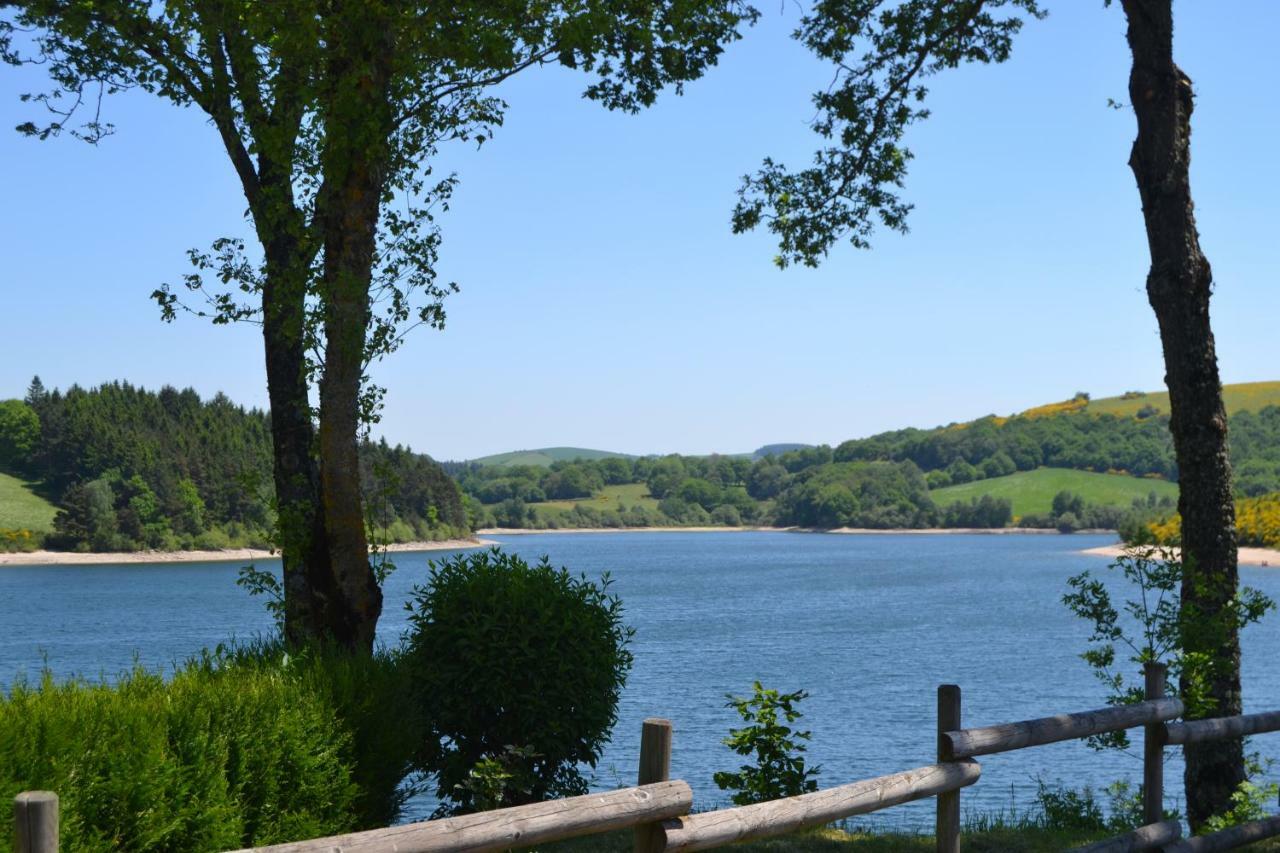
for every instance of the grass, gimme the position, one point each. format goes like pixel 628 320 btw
pixel 21 508
pixel 1246 396
pixel 544 456
pixel 1032 491
pixel 629 494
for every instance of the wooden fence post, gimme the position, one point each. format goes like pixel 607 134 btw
pixel 655 766
pixel 947 827
pixel 35 822
pixel 1153 749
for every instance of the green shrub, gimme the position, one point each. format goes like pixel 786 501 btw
pixel 220 757
pixel 517 663
pixel 369 698
pixel 779 770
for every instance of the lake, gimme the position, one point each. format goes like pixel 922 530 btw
pixel 870 625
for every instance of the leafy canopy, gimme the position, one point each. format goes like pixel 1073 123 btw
pixel 290 102
pixel 882 53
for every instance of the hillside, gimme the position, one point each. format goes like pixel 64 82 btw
pixel 21 508
pixel 1032 492
pixel 133 469
pixel 1242 397
pixel 543 457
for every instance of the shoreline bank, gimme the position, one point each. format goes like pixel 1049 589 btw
pixel 855 531
pixel 230 555
pixel 1246 556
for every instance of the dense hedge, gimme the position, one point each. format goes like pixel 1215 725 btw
pixel 234 751
pixel 212 760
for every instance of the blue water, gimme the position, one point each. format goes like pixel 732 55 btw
pixel 869 625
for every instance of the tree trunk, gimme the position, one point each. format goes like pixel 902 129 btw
pixel 1178 287
pixel 357 125
pixel 308 584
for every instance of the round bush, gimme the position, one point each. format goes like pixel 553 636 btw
pixel 517 669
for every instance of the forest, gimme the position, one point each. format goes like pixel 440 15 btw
pixel 132 469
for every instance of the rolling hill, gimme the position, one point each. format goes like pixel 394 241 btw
pixel 1242 397
pixel 544 456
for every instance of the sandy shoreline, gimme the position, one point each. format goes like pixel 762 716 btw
pixel 230 555
pixel 1247 556
pixel 857 531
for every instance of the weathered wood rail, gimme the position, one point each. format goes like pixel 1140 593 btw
pixel 659 809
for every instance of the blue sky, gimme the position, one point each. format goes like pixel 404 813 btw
pixel 604 302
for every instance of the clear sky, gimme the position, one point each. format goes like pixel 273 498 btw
pixel 604 302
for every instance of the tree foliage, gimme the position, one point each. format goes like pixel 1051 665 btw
pixel 506 655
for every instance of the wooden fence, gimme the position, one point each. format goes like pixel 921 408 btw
pixel 659 809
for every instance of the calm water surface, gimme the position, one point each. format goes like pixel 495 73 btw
pixel 869 625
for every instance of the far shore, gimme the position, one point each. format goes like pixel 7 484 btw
pixel 229 555
pixel 858 531
pixel 1245 556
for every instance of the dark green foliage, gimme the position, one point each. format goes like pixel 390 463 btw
pixel 19 433
pixel 220 757
pixel 858 494
pixel 978 512
pixel 410 487
pixel 779 769
pixel 136 469
pixel 369 698
pixel 504 654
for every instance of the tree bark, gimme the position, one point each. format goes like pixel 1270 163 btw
pixel 357 123
pixel 1178 287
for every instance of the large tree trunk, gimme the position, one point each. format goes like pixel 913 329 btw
pixel 357 124
pixel 308 583
pixel 1178 287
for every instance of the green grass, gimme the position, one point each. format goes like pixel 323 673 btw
pixel 544 456
pixel 21 508
pixel 1033 491
pixel 1246 396
pixel 630 494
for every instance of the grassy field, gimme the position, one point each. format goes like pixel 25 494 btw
pixel 1246 396
pixel 1033 491
pixel 544 456
pixel 630 494
pixel 22 509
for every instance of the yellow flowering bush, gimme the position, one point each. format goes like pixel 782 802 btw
pixel 1257 523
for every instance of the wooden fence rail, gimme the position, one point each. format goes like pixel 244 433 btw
pixel 519 826
pixel 659 808
pixel 708 830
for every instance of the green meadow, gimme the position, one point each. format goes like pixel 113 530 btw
pixel 21 508
pixel 605 500
pixel 1031 492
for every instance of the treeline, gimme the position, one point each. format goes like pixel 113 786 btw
pixel 134 469
pixel 713 490
pixel 879 483
pixel 995 447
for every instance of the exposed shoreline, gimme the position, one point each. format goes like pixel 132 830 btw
pixel 857 531
pixel 1246 556
pixel 229 555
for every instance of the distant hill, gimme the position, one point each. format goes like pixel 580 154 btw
pixel 777 449
pixel 544 456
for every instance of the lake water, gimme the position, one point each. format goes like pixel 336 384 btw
pixel 869 625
